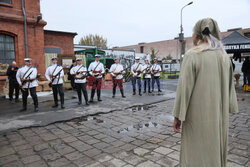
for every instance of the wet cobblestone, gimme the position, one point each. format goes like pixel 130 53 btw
pixel 140 136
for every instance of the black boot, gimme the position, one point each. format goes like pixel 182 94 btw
pixel 55 105
pixel 99 99
pixel 36 109
pixel 133 91
pixel 62 106
pixel 122 92
pixel 80 102
pixel 159 90
pixel 114 91
pixel 140 92
pixel 23 109
pixel 87 103
pixel 62 101
pixel 92 95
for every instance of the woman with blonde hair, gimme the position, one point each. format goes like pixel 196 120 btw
pixel 205 97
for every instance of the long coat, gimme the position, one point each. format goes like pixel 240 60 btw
pixel 205 97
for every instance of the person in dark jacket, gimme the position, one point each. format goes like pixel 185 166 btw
pixel 246 71
pixel 13 84
pixel 70 77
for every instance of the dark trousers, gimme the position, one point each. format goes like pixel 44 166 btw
pixel 58 89
pixel 81 88
pixel 96 85
pixel 25 94
pixel 13 85
pixel 72 81
pixel 246 78
pixel 157 80
pixel 118 82
pixel 138 80
pixel 146 82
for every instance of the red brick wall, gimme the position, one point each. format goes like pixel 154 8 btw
pixel 59 40
pixel 12 23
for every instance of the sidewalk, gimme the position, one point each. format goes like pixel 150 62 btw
pixel 12 119
pixel 132 137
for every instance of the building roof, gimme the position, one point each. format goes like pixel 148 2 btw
pixel 79 47
pixel 235 38
pixel 61 32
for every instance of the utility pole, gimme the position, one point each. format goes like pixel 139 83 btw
pixel 181 35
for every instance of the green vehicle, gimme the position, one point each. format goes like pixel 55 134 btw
pixel 90 57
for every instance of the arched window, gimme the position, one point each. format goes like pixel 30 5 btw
pixel 7 49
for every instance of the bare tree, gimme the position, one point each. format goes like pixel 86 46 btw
pixel 94 40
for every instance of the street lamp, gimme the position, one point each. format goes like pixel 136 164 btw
pixel 181 35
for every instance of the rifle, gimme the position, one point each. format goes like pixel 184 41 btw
pixel 81 72
pixel 54 77
pixel 118 73
pixel 26 79
pixel 147 71
pixel 155 71
pixel 94 72
pixel 139 72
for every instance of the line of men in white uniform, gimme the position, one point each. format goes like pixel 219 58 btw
pixel 26 77
pixel 148 71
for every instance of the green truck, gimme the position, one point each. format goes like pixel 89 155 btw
pixel 90 57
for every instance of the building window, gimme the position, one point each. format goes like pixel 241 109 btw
pixel 53 50
pixel 6 1
pixel 7 49
pixel 141 49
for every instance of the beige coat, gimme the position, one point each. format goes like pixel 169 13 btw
pixel 205 96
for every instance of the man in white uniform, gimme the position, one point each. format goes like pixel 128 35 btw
pixel 79 72
pixel 96 70
pixel 54 74
pixel 116 71
pixel 147 76
pixel 156 69
pixel 136 70
pixel 26 78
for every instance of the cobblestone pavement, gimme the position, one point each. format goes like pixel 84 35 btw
pixel 141 136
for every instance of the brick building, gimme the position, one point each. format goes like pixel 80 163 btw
pixel 39 41
pixel 172 47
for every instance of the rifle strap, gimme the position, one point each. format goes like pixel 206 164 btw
pixel 137 67
pixel 155 67
pixel 26 72
pixel 96 66
pixel 79 68
pixel 54 70
pixel 115 67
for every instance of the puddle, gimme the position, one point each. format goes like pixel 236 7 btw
pixel 81 120
pixel 141 107
pixel 157 94
pixel 139 127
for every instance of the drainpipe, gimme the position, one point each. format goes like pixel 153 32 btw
pixel 25 30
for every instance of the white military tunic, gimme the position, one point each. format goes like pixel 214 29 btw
pixel 147 70
pixel 93 66
pixel 116 68
pixel 156 67
pixel 21 75
pixel 79 68
pixel 136 67
pixel 54 70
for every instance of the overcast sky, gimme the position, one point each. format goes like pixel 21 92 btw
pixel 127 22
